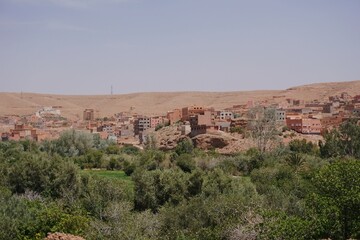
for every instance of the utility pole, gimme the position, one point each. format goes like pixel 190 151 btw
pixel 111 90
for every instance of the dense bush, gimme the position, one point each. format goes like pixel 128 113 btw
pixel 303 146
pixel 290 193
pixel 344 141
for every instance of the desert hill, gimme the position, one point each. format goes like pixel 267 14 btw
pixel 159 103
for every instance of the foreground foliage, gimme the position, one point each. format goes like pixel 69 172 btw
pixel 292 193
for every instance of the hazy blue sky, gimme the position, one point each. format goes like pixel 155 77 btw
pixel 85 46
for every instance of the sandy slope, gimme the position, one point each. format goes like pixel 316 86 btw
pixel 160 103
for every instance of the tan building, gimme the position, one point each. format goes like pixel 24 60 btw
pixel 304 125
pixel 187 112
pixel 203 129
pixel 88 115
pixel 21 131
pixel 174 116
pixel 155 121
pixel 330 122
pixel 185 129
pixel 311 126
pixel 239 122
pixel 141 124
pixel 226 115
pixel 201 119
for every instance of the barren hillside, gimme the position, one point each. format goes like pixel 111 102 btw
pixel 160 103
pixel 323 90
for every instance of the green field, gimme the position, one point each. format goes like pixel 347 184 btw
pixel 117 175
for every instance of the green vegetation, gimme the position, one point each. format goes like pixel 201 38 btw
pixel 239 130
pixel 120 176
pixel 343 141
pixel 92 188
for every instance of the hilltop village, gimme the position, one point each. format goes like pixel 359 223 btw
pixel 128 128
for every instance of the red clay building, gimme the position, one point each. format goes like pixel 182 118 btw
pixel 174 116
pixel 88 115
pixel 187 112
pixel 201 119
pixel 332 121
pixel 154 121
pixel 304 125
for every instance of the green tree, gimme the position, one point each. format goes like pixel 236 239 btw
pixel 29 145
pixel 332 146
pixel 282 188
pixel 295 160
pixel 145 192
pixel 155 188
pixel 130 150
pixel 185 146
pixel 216 182
pixel 112 149
pixel 350 138
pixel 151 159
pixel 186 162
pixel 98 193
pixel 342 142
pixel 121 222
pixel 195 183
pixel 336 200
pixel 303 146
pixel 129 167
pixel 70 143
pixel 279 225
pixel 150 142
pixel 29 216
pixel 93 158
pixel 115 163
pixel 49 176
pixel 215 217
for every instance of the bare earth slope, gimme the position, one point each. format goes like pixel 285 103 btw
pixel 160 103
pixel 324 90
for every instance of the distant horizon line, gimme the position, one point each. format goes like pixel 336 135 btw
pixel 144 92
pixel 171 91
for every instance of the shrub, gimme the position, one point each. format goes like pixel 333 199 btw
pixel 186 162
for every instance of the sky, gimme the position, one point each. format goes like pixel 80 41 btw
pixel 87 46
